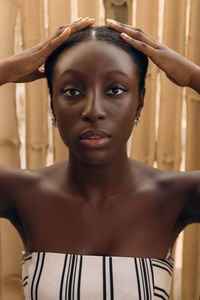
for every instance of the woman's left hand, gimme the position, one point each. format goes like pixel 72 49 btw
pixel 177 68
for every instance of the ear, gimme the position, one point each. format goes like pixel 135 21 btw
pixel 140 102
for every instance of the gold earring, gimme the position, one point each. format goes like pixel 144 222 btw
pixel 136 121
pixel 54 122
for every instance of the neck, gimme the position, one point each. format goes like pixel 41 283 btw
pixel 100 182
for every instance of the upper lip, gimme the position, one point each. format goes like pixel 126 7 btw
pixel 88 133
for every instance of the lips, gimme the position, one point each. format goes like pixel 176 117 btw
pixel 95 138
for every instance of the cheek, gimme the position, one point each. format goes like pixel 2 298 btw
pixel 126 112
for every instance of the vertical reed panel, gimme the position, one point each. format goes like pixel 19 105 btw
pixel 169 134
pixel 120 10
pixel 143 142
pixel 59 13
pixel 89 8
pixel 191 250
pixel 10 244
pixel 36 101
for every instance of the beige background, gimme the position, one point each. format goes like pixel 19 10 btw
pixel 168 136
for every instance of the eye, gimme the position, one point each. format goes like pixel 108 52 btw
pixel 70 92
pixel 116 90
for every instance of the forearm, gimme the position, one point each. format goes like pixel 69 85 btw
pixel 4 71
pixel 195 78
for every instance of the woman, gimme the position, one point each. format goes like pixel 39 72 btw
pixel 99 225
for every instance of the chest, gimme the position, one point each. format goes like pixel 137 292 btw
pixel 70 225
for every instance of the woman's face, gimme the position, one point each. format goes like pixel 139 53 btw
pixel 95 98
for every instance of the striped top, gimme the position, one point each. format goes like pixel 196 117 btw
pixel 55 276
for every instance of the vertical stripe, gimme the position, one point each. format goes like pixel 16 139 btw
pixel 152 274
pixel 62 278
pixel 74 279
pixel 79 277
pixel 148 279
pixel 111 280
pixel 142 276
pixel 68 271
pixel 36 267
pixel 70 279
pixel 41 268
pixel 138 279
pixel 104 278
pixel 145 279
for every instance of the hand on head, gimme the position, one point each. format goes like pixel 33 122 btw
pixel 25 66
pixel 176 67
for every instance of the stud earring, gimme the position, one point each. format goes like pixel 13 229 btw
pixel 54 122
pixel 136 121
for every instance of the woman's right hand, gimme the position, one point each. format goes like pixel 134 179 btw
pixel 25 66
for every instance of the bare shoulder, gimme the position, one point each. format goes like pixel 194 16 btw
pixel 169 187
pixel 175 194
pixel 12 182
pixel 11 176
pixel 16 184
pixel 175 180
pixel 51 173
pixel 179 182
pixel 178 192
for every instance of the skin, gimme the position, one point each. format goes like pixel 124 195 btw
pixel 177 68
pixel 26 66
pixel 99 202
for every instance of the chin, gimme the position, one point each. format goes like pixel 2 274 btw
pixel 96 159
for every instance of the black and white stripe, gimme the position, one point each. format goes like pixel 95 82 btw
pixel 55 276
pixel 37 276
pixel 107 272
pixel 145 278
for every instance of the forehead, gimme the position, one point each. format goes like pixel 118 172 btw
pixel 95 57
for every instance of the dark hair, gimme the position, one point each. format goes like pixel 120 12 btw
pixel 102 33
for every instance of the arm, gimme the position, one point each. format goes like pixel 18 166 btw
pixel 10 178
pixel 25 66
pixel 178 69
pixel 182 190
pixel 191 209
pixel 185 185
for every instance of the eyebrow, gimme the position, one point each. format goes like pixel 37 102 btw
pixel 110 73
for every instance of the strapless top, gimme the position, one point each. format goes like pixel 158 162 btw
pixel 56 276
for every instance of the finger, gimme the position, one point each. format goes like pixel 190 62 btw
pixel 111 22
pixel 135 33
pixel 140 46
pixel 55 43
pixel 77 20
pixel 79 24
pixel 85 22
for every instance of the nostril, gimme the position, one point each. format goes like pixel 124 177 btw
pixel 93 116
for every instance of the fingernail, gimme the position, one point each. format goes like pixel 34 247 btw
pixel 111 21
pixel 85 19
pixel 123 34
pixel 92 19
pixel 79 19
pixel 67 30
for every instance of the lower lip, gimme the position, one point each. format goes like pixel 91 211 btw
pixel 95 143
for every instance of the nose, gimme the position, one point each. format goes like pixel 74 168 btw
pixel 93 109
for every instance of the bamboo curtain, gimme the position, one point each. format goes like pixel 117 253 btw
pixel 159 139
